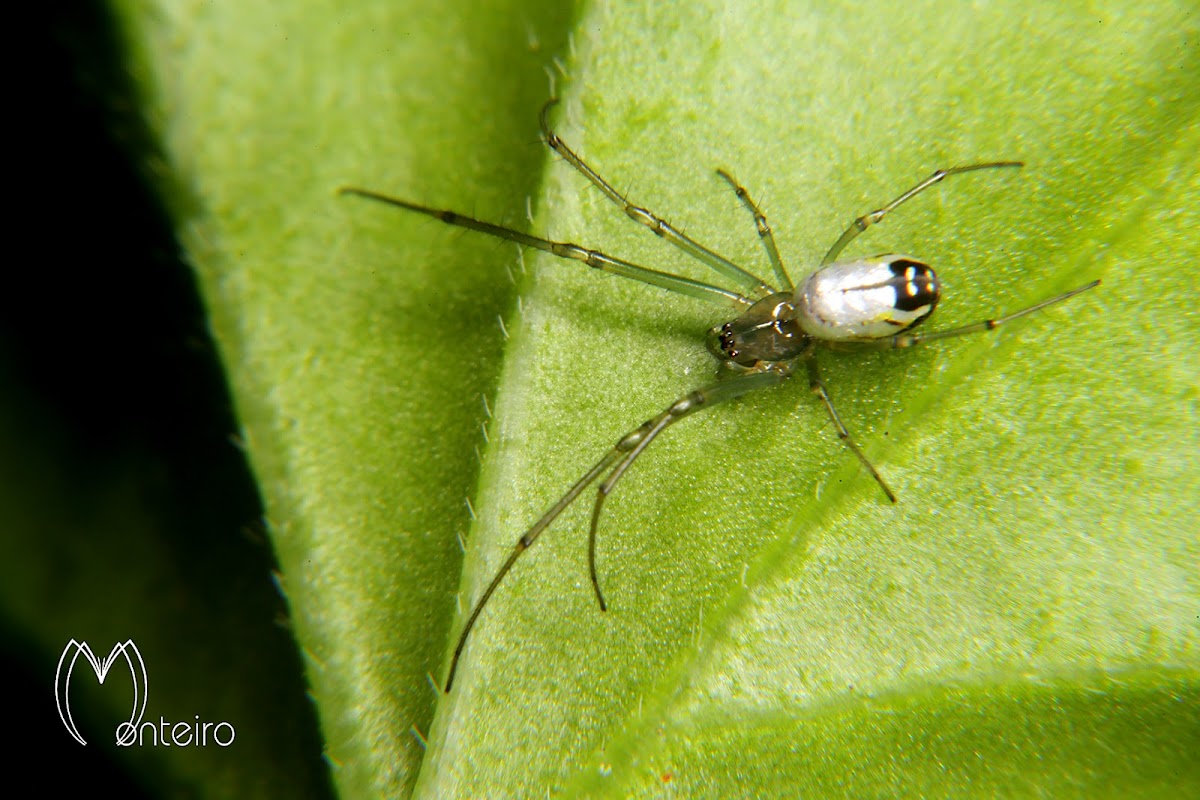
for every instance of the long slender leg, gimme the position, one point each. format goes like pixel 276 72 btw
pixel 912 339
pixel 637 440
pixel 862 223
pixel 523 544
pixel 593 258
pixel 818 388
pixel 645 435
pixel 751 283
pixel 628 448
pixel 764 232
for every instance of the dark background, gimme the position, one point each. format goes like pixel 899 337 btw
pixel 127 509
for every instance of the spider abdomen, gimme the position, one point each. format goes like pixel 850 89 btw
pixel 871 298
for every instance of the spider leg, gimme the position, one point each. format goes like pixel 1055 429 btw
pixel 913 339
pixel 615 462
pixel 593 258
pixel 818 388
pixel 764 231
pixel 752 284
pixel 875 217
pixel 634 442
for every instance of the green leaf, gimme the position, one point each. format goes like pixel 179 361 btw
pixel 1024 619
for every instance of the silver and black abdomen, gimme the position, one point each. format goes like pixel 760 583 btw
pixel 871 298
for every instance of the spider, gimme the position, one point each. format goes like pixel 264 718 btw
pixel 861 304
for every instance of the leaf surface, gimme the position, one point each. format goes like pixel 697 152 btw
pixel 1028 611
